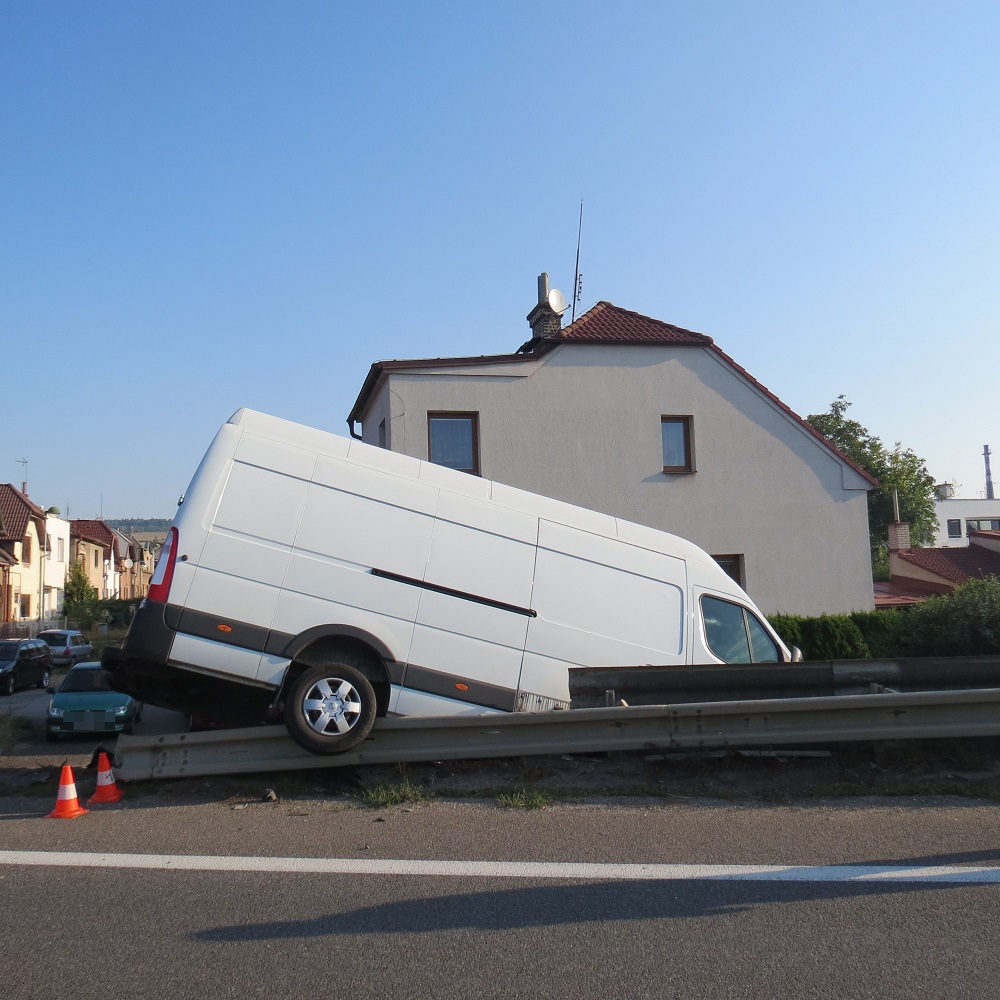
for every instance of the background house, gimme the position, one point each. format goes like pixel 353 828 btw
pixel 22 556
pixel 917 573
pixel 958 518
pixel 57 550
pixel 652 423
pixel 90 541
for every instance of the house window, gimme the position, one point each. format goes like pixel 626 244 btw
pixel 383 441
pixel 677 435
pixel 983 524
pixel 732 566
pixel 453 440
pixel 61 549
pixel 48 546
pixel 96 563
pixel 954 527
pixel 26 550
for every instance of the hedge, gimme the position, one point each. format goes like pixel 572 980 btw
pixel 963 623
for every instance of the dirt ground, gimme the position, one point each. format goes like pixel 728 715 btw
pixel 968 768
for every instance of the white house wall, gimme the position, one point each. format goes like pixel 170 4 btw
pixel 582 424
pixel 56 563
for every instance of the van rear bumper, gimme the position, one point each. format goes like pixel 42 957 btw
pixel 142 669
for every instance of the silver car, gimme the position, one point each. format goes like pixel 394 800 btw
pixel 68 646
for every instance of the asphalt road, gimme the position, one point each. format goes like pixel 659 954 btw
pixel 494 930
pixel 460 899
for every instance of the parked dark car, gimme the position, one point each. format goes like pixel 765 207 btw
pixel 24 662
pixel 86 703
pixel 68 646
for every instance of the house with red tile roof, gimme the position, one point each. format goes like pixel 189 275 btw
pixel 647 421
pixel 22 556
pixel 916 574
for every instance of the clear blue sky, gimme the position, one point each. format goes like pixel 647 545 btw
pixel 208 205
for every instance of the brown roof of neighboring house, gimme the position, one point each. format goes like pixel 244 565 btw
pixel 955 564
pixel 92 531
pixel 605 323
pixel 15 512
pixel 889 594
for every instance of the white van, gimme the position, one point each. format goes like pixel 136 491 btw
pixel 319 577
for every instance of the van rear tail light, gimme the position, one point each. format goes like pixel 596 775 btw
pixel 159 586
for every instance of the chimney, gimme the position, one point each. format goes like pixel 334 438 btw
pixel 899 536
pixel 544 321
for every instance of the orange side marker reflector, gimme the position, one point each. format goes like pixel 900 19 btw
pixel 462 687
pixel 224 628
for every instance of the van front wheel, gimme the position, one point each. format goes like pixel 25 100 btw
pixel 330 708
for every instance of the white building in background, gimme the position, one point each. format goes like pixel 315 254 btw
pixel 56 562
pixel 957 517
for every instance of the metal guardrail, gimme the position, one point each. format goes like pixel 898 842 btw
pixel 771 722
pixel 596 687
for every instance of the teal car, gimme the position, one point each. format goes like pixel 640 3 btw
pixel 85 702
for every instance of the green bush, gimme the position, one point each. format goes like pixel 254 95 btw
pixel 115 614
pixel 880 630
pixel 829 637
pixel 832 637
pixel 788 628
pixel 963 623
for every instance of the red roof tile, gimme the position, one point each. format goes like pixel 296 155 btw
pixel 896 595
pixel 610 324
pixel 92 531
pixel 955 564
pixel 15 512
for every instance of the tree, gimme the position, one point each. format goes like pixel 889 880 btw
pixel 80 601
pixel 897 470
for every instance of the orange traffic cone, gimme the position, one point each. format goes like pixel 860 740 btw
pixel 107 790
pixel 67 804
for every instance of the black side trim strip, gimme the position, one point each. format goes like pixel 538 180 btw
pixel 460 594
pixel 487 695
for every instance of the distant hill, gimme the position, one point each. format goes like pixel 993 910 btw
pixel 137 525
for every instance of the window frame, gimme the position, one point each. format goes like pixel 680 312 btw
pixel 954 526
pixel 472 416
pixel 747 615
pixel 686 422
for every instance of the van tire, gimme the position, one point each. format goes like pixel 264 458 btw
pixel 330 708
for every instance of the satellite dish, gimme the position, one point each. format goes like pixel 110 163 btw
pixel 557 301
pixel 129 564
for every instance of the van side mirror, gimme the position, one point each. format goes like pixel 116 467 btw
pixel 797 656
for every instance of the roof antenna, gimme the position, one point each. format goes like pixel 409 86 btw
pixel 23 462
pixel 577 277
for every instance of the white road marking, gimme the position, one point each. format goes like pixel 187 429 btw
pixel 512 869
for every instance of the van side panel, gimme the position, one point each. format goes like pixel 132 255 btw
pixel 593 592
pixel 486 554
pixel 484 550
